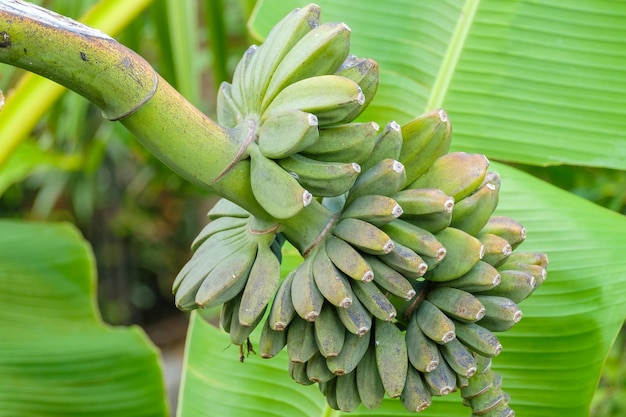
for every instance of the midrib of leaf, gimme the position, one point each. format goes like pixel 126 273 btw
pixel 451 57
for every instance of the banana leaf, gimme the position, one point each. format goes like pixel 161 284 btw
pixel 57 357
pixel 522 81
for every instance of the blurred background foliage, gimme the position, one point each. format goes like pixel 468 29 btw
pixel 139 216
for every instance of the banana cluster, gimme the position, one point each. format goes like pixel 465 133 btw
pixel 290 105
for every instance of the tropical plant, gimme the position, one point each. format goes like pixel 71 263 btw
pixel 514 91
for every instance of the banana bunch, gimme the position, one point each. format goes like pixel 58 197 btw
pixel 290 105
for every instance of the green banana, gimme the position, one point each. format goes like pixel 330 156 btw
pixel 350 142
pixel 320 51
pixel 497 249
pixel 329 389
pixel 321 178
pixel 405 261
pixel 538 272
pixel 282 310
pixel 329 97
pixel 271 342
pixel 415 395
pixel 279 193
pixel 459 358
pixel 332 283
pixel 505 227
pixel 228 113
pixel 374 300
pixel 297 372
pixel 488 401
pixel 387 145
pixel 426 138
pixel 354 347
pixel 500 313
pixel 428 208
pixel 385 178
pixel 226 208
pixel 306 297
pixel 283 134
pixel 348 260
pixel 347 392
pixel 356 318
pixel 368 381
pixel 391 357
pixel 526 258
pixel 316 369
pixel 478 339
pixel 226 314
pixel 263 280
pixel 434 323
pixel 415 238
pixel 239 88
pixel 301 345
pixel 329 332
pixel 463 251
pixel 278 43
pixel 364 72
pixel 515 285
pixel 478 384
pixel 389 279
pixel 457 303
pixel 458 174
pixel 482 277
pixel 472 213
pixel 363 235
pixel 222 224
pixel 239 334
pixel 442 380
pixel 375 209
pixel 422 351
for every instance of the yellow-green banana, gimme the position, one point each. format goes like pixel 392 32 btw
pixel 389 279
pixel 422 351
pixel 497 249
pixel 391 357
pixel 459 358
pixel 282 310
pixel 441 380
pixel 415 395
pixel 356 318
pixel 271 342
pixel 306 297
pixel 301 345
pixel 515 285
pixel 387 145
pixel 500 313
pixel 364 72
pixel 375 209
pixel 510 229
pixel 434 323
pixel 354 347
pixel 472 213
pixel 419 240
pixel 385 178
pixel 329 332
pixel 405 261
pixel 369 383
pixel 348 260
pixel 482 277
pixel 283 134
pixel 457 303
pixel 374 300
pixel 332 283
pixel 363 235
pixel 228 113
pixel 463 251
pixel 316 369
pixel 477 338
pixel 350 142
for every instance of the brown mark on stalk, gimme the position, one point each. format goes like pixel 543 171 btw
pixel 321 236
pixel 5 40
pixel 270 229
pixel 250 137
pixel 418 299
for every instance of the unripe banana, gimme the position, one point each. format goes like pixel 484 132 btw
pixel 348 260
pixel 297 372
pixel 283 134
pixel 363 235
pixel 463 251
pixel 347 392
pixel 478 339
pixel 434 323
pixel 239 334
pixel 505 227
pixel 478 384
pixel 527 258
pixel 329 389
pixel 306 297
pixel 391 357
pixel 332 283
pixel 228 113
pixel 239 85
pixel 416 395
pixel 482 277
pixel 271 342
pixel 459 358
pixel 320 51
pixel 387 145
pixel 472 213
pixel 389 279
pixel 226 314
pixel 369 383
pixel 301 345
pixel 375 209
pixel 497 249
pixel 356 318
pixel 419 240
pixel 354 347
pixel 422 351
pixel 426 138
pixel 374 300
pixel 222 224
pixel 537 271
pixel 458 174
pixel 263 280
pixel 350 142
pixel 282 310
pixel 364 72
pixel 428 208
pixel 456 303
pixel 405 261
pixel 442 380
pixel 488 401
pixel 329 332
pixel 501 313
pixel 385 178
pixel 329 97
pixel 515 285
pixel 321 178
pixel 316 369
pixel 226 208
pixel 276 191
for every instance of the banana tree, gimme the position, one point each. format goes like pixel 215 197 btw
pixel 475 60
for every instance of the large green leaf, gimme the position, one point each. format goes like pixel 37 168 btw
pixel 57 357
pixel 551 360
pixel 525 81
